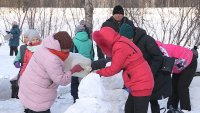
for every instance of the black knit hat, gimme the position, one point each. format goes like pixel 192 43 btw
pixel 118 9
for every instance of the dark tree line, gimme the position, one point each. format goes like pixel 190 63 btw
pixel 98 3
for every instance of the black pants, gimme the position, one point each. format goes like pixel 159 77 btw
pixel 31 111
pixel 74 88
pixel 137 104
pixel 13 49
pixel 155 107
pixel 180 87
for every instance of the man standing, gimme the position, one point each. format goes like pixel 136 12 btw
pixel 115 21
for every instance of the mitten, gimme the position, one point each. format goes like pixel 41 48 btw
pixel 76 68
pixel 7 32
pixel 17 64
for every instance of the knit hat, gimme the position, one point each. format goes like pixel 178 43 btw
pixel 82 22
pixel 79 28
pixel 118 10
pixel 14 23
pixel 32 33
pixel 64 39
pixel 126 30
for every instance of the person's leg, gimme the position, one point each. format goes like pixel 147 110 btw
pixel 129 105
pixel 184 83
pixel 141 104
pixel 16 50
pixel 174 98
pixel 11 50
pixel 155 107
pixel 74 87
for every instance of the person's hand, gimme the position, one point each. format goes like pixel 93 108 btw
pixel 7 32
pixel 17 64
pixel 76 68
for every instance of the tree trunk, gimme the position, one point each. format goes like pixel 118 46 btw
pixel 89 14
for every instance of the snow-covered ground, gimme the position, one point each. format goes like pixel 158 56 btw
pixel 64 101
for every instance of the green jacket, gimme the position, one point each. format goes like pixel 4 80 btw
pixel 83 44
pixel 15 31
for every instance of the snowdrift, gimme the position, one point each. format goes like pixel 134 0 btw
pixel 100 95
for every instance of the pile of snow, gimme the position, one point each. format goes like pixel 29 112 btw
pixel 195 93
pixel 5 89
pixel 100 95
pixel 11 106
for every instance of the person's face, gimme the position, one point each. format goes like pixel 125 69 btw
pixel 35 40
pixel 118 17
pixel 25 40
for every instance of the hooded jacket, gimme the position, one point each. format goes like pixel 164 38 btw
pixel 125 55
pixel 44 72
pixel 83 44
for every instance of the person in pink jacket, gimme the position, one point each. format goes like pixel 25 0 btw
pixel 45 72
pixel 183 72
pixel 126 56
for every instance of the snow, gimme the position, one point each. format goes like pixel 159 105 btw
pixel 109 99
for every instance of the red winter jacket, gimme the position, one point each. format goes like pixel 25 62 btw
pixel 137 74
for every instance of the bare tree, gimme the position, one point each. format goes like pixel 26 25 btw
pixel 89 14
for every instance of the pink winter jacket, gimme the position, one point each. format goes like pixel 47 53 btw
pixel 44 72
pixel 177 52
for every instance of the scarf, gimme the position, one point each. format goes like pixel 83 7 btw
pixel 62 55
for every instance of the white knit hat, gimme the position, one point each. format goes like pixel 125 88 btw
pixel 32 33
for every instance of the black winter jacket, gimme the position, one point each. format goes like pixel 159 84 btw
pixel 154 57
pixel 111 22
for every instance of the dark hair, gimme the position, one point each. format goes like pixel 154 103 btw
pixel 64 39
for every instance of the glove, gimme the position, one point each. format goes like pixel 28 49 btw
pixel 76 68
pixel 17 64
pixel 7 32
pixel 180 63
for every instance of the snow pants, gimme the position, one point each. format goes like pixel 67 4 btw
pixel 74 88
pixel 180 87
pixel 137 104
pixel 13 49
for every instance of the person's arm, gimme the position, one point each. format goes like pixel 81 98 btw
pixel 100 54
pixel 56 71
pixel 156 57
pixel 18 57
pixel 116 63
pixel 99 64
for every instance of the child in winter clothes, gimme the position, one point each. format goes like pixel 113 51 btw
pixel 34 41
pixel 183 72
pixel 45 71
pixel 126 56
pixel 18 62
pixel 83 46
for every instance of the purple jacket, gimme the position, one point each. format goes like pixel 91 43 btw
pixel 44 72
